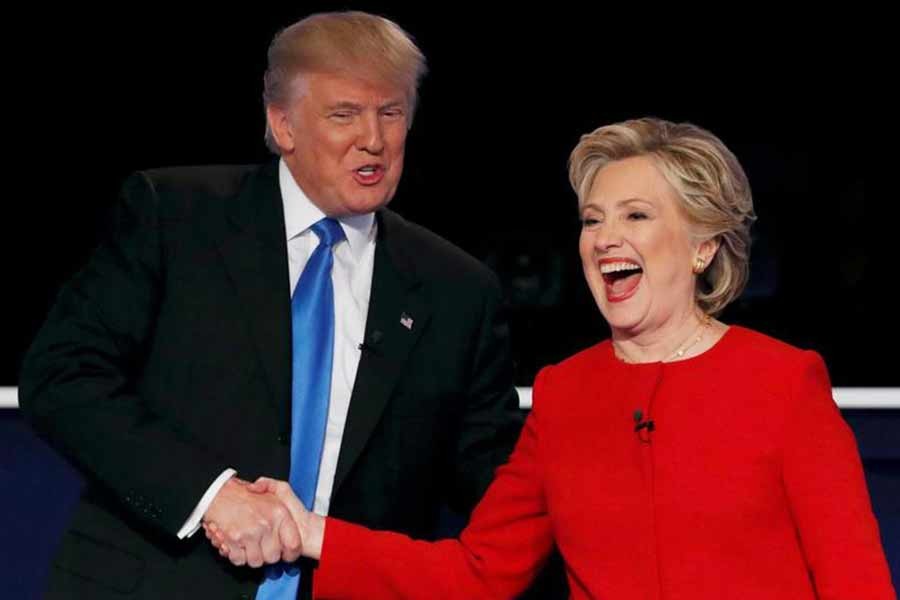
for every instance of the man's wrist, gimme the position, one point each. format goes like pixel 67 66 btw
pixel 198 515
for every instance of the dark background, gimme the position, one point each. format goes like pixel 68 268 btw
pixel 507 96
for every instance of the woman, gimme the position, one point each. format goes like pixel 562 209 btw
pixel 683 458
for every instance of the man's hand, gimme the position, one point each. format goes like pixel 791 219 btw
pixel 252 528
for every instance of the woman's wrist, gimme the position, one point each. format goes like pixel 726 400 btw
pixel 312 530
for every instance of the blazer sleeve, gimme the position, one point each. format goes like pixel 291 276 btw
pixel 500 551
pixel 78 382
pixel 491 420
pixel 827 492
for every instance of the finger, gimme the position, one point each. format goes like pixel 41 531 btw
pixel 262 485
pixel 270 547
pixel 254 555
pixel 235 541
pixel 291 542
pixel 237 556
pixel 215 539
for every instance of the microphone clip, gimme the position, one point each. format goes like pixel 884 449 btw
pixel 640 424
pixel 648 425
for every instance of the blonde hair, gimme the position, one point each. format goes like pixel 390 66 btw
pixel 710 182
pixel 364 45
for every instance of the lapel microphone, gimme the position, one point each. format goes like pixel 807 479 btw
pixel 369 346
pixel 640 423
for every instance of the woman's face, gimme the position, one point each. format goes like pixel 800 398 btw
pixel 636 248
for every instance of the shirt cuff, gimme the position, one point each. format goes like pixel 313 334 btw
pixel 192 524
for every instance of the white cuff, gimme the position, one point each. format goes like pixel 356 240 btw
pixel 192 524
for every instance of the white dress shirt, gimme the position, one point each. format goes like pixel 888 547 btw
pixel 351 277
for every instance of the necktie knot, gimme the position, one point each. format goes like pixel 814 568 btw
pixel 328 231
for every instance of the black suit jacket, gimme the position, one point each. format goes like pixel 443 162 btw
pixel 168 359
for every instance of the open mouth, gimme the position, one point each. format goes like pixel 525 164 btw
pixel 621 279
pixel 369 174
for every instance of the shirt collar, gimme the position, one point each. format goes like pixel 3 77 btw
pixel 300 214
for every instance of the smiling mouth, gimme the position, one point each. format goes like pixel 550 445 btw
pixel 621 280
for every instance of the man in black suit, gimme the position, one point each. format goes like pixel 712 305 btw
pixel 165 372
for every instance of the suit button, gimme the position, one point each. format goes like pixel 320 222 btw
pixel 284 439
pixel 244 597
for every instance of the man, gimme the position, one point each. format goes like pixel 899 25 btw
pixel 275 320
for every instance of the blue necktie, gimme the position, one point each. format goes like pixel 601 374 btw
pixel 312 326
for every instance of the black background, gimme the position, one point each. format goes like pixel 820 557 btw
pixel 98 95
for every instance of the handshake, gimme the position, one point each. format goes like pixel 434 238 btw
pixel 262 523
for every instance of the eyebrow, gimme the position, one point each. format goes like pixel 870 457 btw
pixel 624 202
pixel 634 201
pixel 346 104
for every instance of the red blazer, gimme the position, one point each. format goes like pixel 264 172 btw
pixel 749 488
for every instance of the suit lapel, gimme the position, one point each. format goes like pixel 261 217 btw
pixel 398 314
pixel 255 256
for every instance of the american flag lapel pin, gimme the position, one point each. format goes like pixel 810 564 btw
pixel 406 321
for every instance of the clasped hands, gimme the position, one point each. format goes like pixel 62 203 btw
pixel 262 523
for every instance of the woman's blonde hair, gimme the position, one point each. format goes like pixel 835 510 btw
pixel 710 182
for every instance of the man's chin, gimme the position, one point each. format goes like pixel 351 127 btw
pixel 367 201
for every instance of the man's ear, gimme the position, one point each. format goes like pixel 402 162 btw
pixel 280 126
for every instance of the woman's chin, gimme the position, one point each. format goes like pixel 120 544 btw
pixel 622 316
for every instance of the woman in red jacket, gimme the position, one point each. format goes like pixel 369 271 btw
pixel 681 459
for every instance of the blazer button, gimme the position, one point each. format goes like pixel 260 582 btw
pixel 284 439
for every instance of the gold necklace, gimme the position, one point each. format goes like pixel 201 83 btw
pixel 701 329
pixel 686 345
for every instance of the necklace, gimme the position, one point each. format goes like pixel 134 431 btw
pixel 689 343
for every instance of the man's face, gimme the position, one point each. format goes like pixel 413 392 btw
pixel 343 140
